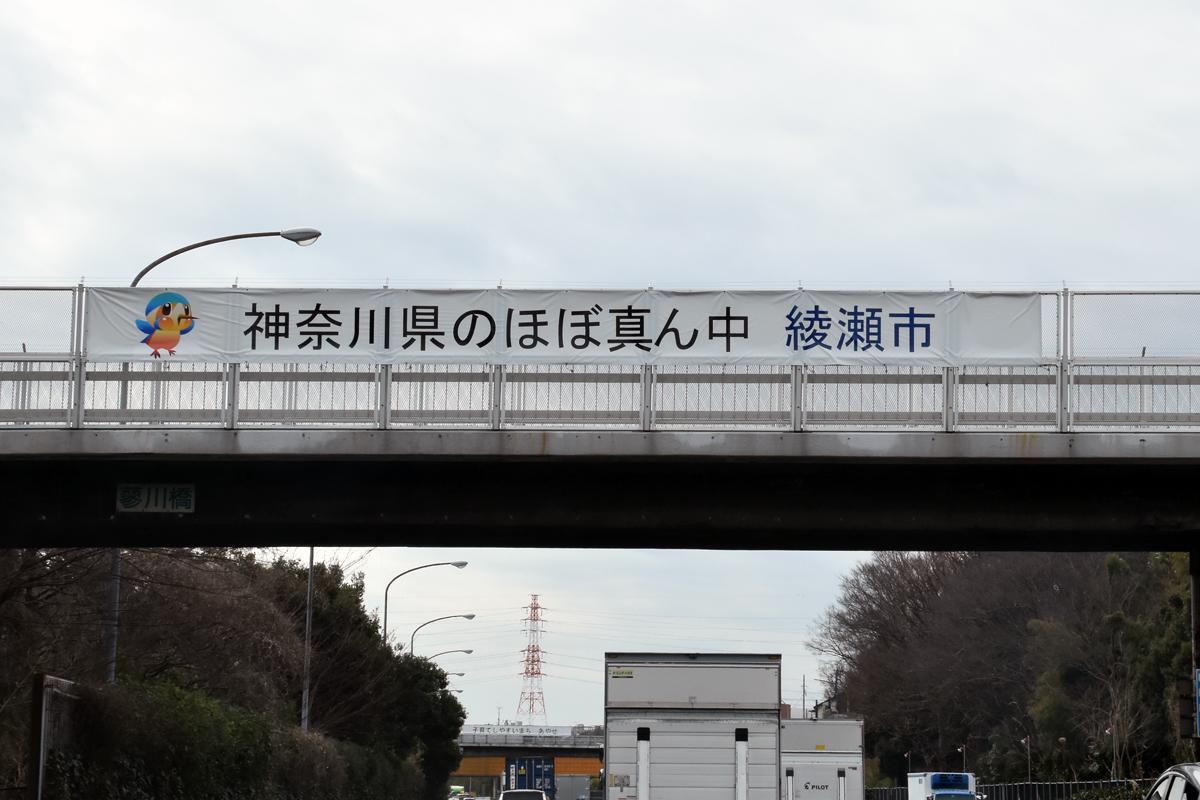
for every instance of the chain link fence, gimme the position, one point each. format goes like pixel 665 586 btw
pixel 1114 361
pixel 1051 790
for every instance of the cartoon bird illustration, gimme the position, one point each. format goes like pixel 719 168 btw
pixel 168 316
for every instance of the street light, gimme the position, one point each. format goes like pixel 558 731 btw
pixel 962 748
pixel 412 638
pixel 301 236
pixel 1112 729
pixel 1027 741
pixel 456 564
pixel 1028 760
pixel 455 674
pixel 447 652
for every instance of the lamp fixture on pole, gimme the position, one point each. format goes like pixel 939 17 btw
pixel 455 564
pixel 447 652
pixel 301 236
pixel 413 638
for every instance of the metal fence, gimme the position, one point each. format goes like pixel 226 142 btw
pixel 1060 790
pixel 1113 361
pixel 55 708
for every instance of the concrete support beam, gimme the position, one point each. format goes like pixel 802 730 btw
pixel 326 444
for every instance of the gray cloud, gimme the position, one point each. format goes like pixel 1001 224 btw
pixel 706 143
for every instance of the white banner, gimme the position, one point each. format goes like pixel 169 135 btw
pixel 527 326
pixel 517 730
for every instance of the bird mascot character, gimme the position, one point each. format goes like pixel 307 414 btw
pixel 168 316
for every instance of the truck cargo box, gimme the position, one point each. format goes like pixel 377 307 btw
pixel 691 726
pixel 822 759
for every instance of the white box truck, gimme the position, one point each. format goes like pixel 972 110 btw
pixel 941 786
pixel 822 759
pixel 697 726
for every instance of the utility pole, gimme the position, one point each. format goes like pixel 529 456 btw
pixel 307 644
pixel 112 616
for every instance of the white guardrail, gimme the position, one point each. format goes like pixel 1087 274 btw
pixel 1114 361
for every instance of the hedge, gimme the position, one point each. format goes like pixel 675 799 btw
pixel 161 742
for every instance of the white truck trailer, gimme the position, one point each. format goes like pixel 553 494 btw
pixel 822 759
pixel 691 726
pixel 941 786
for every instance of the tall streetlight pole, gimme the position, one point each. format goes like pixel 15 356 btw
pixel 301 236
pixel 1112 729
pixel 1027 741
pixel 962 748
pixel 455 564
pixel 413 638
pixel 447 652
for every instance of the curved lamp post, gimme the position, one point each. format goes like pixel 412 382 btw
pixel 447 652
pixel 456 564
pixel 413 638
pixel 301 236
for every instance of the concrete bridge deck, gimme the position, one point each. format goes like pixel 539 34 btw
pixel 359 444
pixel 608 488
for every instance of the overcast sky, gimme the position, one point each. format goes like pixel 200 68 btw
pixel 596 601
pixel 616 143
pixel 604 143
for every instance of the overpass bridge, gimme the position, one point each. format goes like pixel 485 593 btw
pixel 1081 434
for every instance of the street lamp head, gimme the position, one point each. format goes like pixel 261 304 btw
pixel 468 652
pixel 468 616
pixel 301 236
pixel 459 564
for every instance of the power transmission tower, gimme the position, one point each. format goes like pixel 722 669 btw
pixel 532 705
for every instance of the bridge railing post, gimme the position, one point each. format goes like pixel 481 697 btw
pixel 497 407
pixel 799 382
pixel 383 412
pixel 1065 312
pixel 647 414
pixel 78 367
pixel 949 399
pixel 233 384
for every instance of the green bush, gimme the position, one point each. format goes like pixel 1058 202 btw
pixel 161 742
